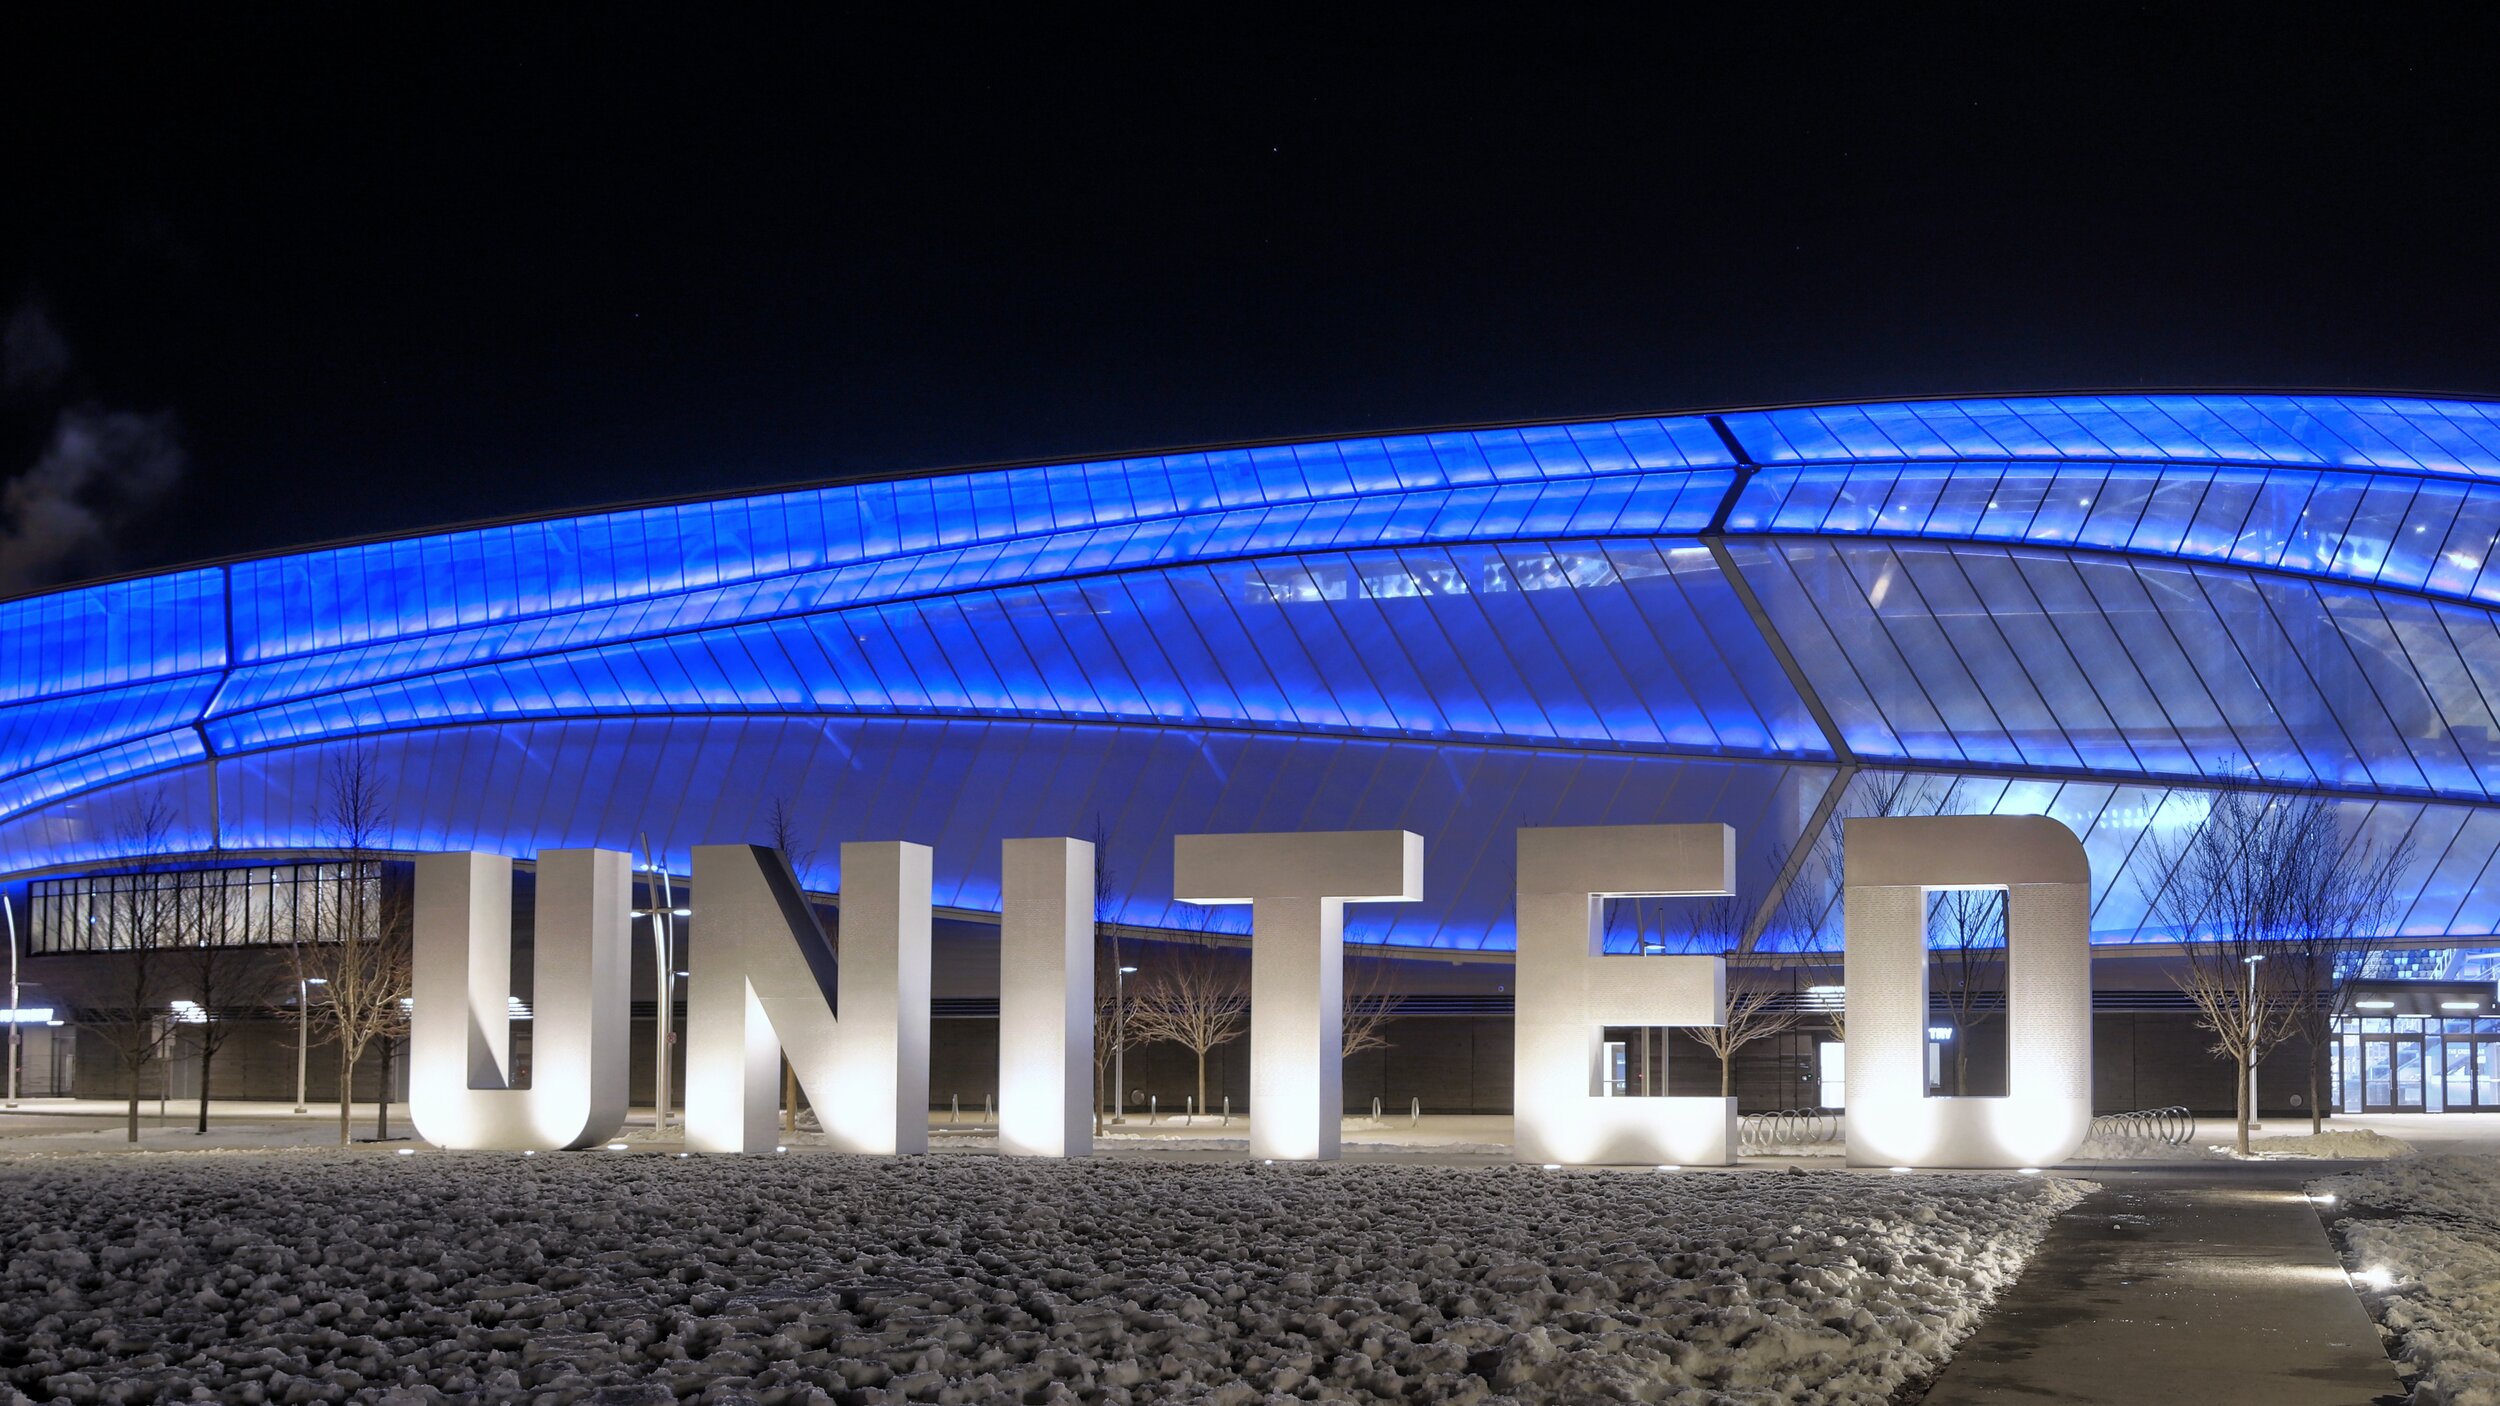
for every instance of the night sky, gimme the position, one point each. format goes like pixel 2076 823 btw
pixel 272 277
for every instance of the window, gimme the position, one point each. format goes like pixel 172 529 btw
pixel 262 905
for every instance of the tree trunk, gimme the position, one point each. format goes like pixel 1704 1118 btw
pixel 2317 1072
pixel 1727 1073
pixel 208 1055
pixel 134 1103
pixel 382 1110
pixel 2242 1101
pixel 1202 1081
pixel 347 1098
pixel 1961 1061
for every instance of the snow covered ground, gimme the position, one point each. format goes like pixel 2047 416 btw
pixel 2424 1235
pixel 2339 1144
pixel 642 1277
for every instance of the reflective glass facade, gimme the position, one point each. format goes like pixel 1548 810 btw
pixel 2090 607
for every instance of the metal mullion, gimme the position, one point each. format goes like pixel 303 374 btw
pixel 2465 666
pixel 1291 637
pixel 2109 471
pixel 1666 655
pixel 2490 858
pixel 1834 739
pixel 2049 626
pixel 2431 870
pixel 963 622
pixel 1917 679
pixel 2186 658
pixel 1396 637
pixel 2430 695
pixel 2187 524
pixel 1128 656
pixel 1809 838
pixel 1038 604
pixel 1746 690
pixel 2413 495
pixel 1883 500
pixel 2109 796
pixel 1988 616
pixel 1536 618
pixel 1441 627
pixel 2153 897
pixel 1493 635
pixel 2325 701
pixel 2231 553
pixel 1330 622
pixel 2031 521
pixel 919 618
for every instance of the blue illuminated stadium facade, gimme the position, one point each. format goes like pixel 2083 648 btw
pixel 2093 607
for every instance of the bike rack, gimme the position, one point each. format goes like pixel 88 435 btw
pixel 1760 1133
pixel 2144 1128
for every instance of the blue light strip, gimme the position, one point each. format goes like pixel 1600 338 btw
pixel 2318 431
pixel 2119 595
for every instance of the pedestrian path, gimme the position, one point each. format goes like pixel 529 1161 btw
pixel 2209 1286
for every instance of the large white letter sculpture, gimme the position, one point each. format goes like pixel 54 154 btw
pixel 1297 886
pixel 1892 865
pixel 1569 992
pixel 1046 999
pixel 764 982
pixel 460 1020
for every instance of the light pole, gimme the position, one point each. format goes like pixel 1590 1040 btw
pixel 303 1029
pixel 1119 1044
pixel 16 1036
pixel 2251 1008
pixel 662 912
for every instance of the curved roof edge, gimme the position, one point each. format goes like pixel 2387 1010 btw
pixel 1094 457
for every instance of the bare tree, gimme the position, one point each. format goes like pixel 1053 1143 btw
pixel 1192 994
pixel 782 832
pixel 1370 1003
pixel 363 952
pixel 2339 894
pixel 143 919
pixel 1715 924
pixel 1752 1014
pixel 1968 964
pixel 2227 897
pixel 1874 795
pixel 222 977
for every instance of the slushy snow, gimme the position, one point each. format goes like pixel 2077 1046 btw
pixel 638 1277
pixel 2432 1226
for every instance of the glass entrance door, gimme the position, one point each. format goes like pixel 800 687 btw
pixel 2416 1064
pixel 2391 1073
pixel 2472 1074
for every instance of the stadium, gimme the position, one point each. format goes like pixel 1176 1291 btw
pixel 2107 609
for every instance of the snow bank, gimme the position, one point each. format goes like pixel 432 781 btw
pixel 2350 1144
pixel 2432 1226
pixel 632 1277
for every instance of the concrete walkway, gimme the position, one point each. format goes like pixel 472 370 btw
pixel 2214 1286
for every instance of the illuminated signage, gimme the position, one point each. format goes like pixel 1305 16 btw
pixel 765 985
